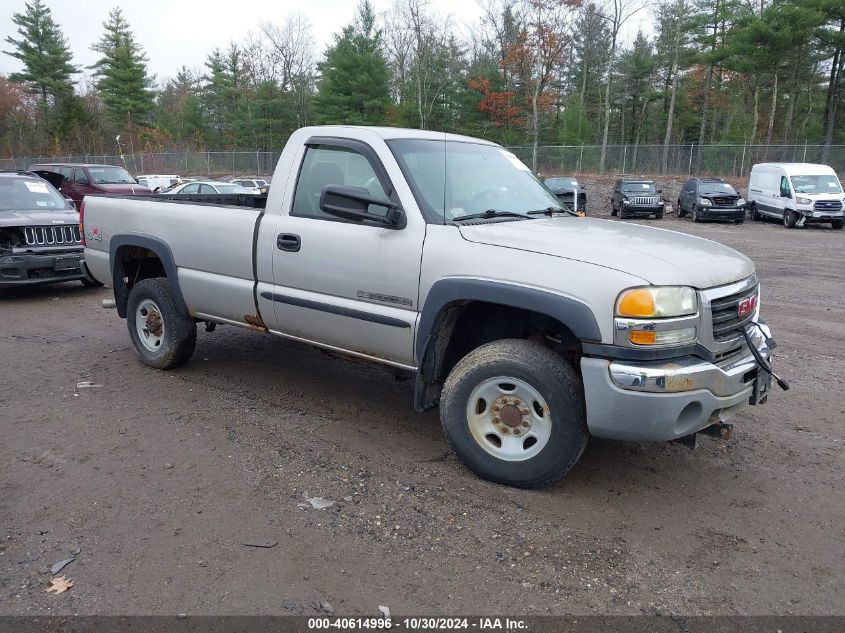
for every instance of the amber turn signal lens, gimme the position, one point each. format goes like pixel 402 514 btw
pixel 637 303
pixel 642 337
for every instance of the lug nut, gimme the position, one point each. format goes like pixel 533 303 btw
pixel 505 430
pixel 525 424
pixel 496 408
pixel 516 431
pixel 525 412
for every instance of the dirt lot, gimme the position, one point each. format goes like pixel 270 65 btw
pixel 157 479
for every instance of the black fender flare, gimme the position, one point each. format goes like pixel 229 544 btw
pixel 574 314
pixel 162 251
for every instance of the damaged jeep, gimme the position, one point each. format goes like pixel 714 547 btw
pixel 40 239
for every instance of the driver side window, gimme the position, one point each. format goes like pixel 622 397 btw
pixel 80 177
pixel 325 165
pixel 784 187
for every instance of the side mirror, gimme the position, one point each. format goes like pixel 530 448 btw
pixel 352 203
pixel 70 201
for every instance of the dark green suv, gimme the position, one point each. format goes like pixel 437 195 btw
pixel 636 198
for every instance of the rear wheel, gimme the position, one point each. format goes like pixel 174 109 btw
pixel 789 219
pixel 513 412
pixel 163 335
pixel 837 224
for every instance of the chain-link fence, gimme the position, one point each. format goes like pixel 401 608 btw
pixel 706 160
pixel 181 163
pixel 691 159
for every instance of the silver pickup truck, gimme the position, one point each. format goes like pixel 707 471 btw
pixel 444 256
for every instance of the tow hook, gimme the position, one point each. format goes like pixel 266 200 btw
pixel 719 431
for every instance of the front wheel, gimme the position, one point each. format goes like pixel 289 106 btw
pixel 163 335
pixel 755 215
pixel 695 217
pixel 90 283
pixel 680 209
pixel 612 208
pixel 513 412
pixel 837 224
pixel 789 219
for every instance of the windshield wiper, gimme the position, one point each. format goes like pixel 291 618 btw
pixel 550 211
pixel 491 213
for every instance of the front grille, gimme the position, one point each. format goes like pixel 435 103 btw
pixel 827 205
pixel 724 202
pixel 64 235
pixel 645 200
pixel 727 324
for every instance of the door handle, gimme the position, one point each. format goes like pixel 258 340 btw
pixel 288 242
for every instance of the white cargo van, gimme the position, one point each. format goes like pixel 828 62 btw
pixel 796 193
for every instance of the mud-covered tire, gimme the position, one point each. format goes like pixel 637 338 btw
pixel 837 224
pixel 543 371
pixel 175 331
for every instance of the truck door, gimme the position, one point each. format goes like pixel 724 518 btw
pixel 347 284
pixel 78 185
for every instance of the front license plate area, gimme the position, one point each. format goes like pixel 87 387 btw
pixel 762 385
pixel 65 263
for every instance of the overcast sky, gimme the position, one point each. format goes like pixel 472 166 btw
pixel 184 32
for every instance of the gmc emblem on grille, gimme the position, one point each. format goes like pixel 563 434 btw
pixel 747 306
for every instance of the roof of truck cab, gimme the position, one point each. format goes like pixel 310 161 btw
pixel 392 133
pixel 797 168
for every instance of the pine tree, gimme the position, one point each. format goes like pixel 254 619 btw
pixel 43 50
pixel 122 79
pixel 354 88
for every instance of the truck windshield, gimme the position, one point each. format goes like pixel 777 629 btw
pixel 816 184
pixel 29 195
pixel 454 179
pixel 716 188
pixel 110 176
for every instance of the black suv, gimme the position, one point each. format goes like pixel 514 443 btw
pixel 711 199
pixel 40 241
pixel 636 197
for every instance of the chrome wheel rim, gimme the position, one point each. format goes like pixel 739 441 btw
pixel 508 418
pixel 149 325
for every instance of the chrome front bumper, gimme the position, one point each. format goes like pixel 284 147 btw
pixel 664 400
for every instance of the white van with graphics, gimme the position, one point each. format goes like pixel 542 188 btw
pixel 796 193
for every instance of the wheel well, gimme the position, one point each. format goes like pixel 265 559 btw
pixel 131 265
pixel 463 326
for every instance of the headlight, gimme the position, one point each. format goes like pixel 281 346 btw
pixel 803 201
pixel 704 202
pixel 740 202
pixel 657 302
pixel 625 201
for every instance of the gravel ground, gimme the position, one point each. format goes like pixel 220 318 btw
pixel 158 479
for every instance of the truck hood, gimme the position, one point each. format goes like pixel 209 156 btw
pixel 658 256
pixel 123 188
pixel 38 218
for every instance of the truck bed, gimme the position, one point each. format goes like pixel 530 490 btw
pixel 249 200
